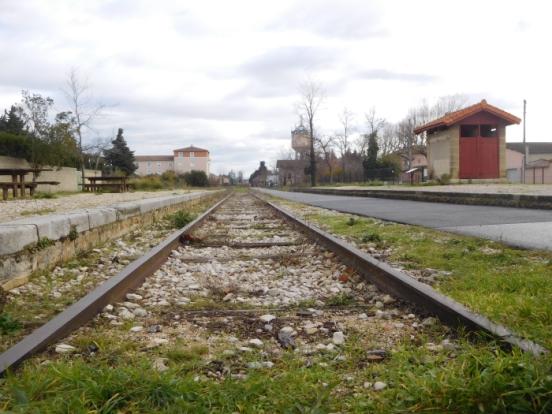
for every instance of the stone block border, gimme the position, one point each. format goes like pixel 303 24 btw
pixel 62 236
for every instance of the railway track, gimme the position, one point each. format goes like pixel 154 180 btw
pixel 248 272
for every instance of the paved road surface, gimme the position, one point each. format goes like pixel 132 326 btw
pixel 527 228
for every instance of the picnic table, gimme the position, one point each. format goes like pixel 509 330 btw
pixel 109 182
pixel 18 183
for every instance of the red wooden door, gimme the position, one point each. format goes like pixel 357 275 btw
pixel 478 151
pixel 487 157
pixel 468 151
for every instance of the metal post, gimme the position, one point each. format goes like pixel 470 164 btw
pixel 525 147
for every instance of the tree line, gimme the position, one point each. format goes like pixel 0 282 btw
pixel 380 146
pixel 29 130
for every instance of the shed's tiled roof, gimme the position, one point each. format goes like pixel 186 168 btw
pixel 456 116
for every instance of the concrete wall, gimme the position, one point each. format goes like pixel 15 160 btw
pixel 514 165
pixel 183 164
pixel 77 231
pixel 439 154
pixel 68 177
pixel 154 167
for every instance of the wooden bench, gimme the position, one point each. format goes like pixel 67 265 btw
pixel 113 187
pixel 6 187
pixel 33 184
pixel 30 185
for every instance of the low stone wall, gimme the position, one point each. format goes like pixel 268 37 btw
pixel 488 199
pixel 65 235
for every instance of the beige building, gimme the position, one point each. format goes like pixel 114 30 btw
pixel 469 143
pixel 183 160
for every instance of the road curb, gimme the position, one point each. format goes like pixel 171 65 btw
pixel 480 199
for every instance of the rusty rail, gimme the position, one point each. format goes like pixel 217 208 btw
pixel 405 287
pixel 90 305
pixel 381 274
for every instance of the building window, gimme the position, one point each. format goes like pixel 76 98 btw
pixel 469 131
pixel 191 154
pixel 488 131
pixel 180 154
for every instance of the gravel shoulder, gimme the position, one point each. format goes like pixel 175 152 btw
pixel 14 209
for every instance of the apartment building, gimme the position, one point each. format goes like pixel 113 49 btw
pixel 183 160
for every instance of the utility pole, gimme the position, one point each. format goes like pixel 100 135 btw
pixel 525 147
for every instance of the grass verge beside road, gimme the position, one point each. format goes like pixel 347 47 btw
pixel 510 286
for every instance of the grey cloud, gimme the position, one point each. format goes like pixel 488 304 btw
pixel 278 72
pixel 327 18
pixel 384 74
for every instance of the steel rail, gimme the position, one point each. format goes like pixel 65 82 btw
pixel 113 289
pixel 405 287
pixel 381 274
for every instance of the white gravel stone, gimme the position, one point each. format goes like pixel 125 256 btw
pixel 65 349
pixel 140 312
pixel 137 329
pixel 126 315
pixel 255 342
pixel 133 296
pixel 338 338
pixel 159 364
pixel 379 385
pixel 267 318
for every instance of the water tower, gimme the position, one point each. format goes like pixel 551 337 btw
pixel 300 141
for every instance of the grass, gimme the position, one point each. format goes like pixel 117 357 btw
pixel 37 212
pixel 180 219
pixel 509 285
pixel 476 377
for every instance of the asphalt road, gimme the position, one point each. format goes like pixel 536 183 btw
pixel 526 228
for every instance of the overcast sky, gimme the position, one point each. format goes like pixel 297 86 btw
pixel 224 75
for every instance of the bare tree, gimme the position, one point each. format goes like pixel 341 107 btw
pixel 96 149
pixel 312 96
pixel 389 140
pixel 325 145
pixel 77 92
pixel 374 125
pixel 342 140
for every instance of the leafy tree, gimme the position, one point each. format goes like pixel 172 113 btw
pixel 13 121
pixel 196 178
pixel 372 152
pixel 120 157
pixel 18 146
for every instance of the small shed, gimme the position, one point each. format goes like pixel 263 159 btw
pixel 469 143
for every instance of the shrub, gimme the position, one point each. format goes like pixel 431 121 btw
pixel 371 237
pixel 8 324
pixel 180 218
pixel 149 182
pixel 196 178
pixel 18 146
pixel 444 179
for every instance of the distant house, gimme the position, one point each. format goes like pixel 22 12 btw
pixel 469 143
pixel 183 160
pixel 415 170
pixel 538 169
